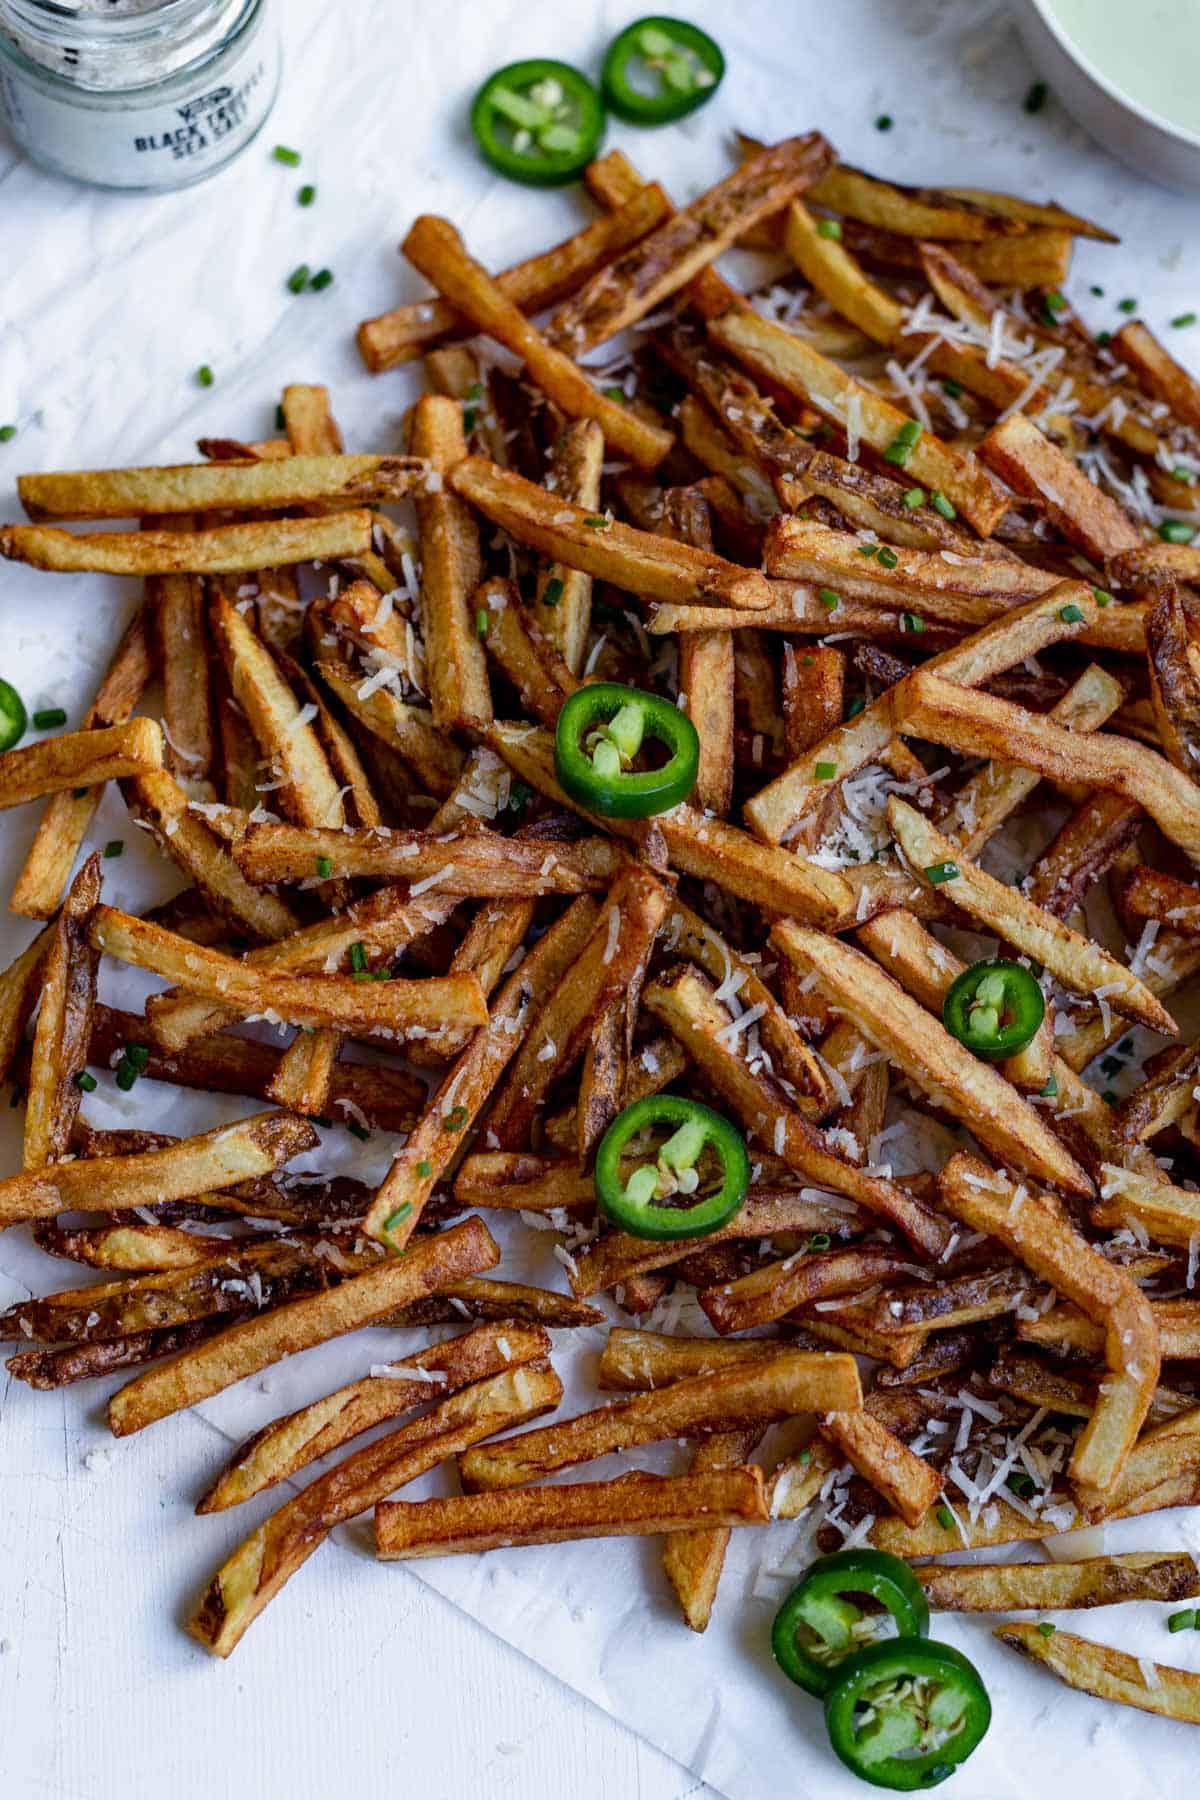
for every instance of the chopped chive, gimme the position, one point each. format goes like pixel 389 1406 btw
pixel 49 718
pixel 1098 291
pixel 1171 531
pixel 597 522
pixel 470 415
pixel 425 1170
pixel 307 194
pixel 1102 597
pixel 808 661
pixel 552 593
pixel 945 1518
pixel 1127 305
pixel 384 974
pixel 820 1240
pixel 518 794
pixel 1020 1484
pixel 805 1456
pixel 615 393
pixel 1050 1091
pixel 324 868
pixel 321 280
pixel 481 622
pixel 280 419
pixel 297 281
pixel 114 847
pixel 1110 1097
pixel 1103 338
pixel 1182 320
pixel 915 497
pixel 85 1081
pixel 1187 476
pixel 953 389
pixel 138 1055
pixel 867 549
pixel 455 1119
pixel 903 444
pixel 398 1217
pixel 1036 97
pixel 828 228
pixel 855 707
pixel 357 1130
pixel 7 433
pixel 829 599
pixel 205 376
pixel 887 558
pixel 825 771
pixel 910 621
pixel 1070 615
pixel 1046 1629
pixel 282 154
pixel 1055 302
pixel 939 503
pixel 939 872
pixel 126 1075
pixel 1182 1621
pixel 358 958
pixel 884 122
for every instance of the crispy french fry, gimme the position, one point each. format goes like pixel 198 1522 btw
pixel 48 1370
pixel 693 1560
pixel 251 1577
pixel 256 1343
pixel 468 1085
pixel 639 561
pixel 761 1392
pixel 409 331
pixel 793 1283
pixel 1047 1587
pixel 282 1449
pixel 125 1249
pixel 217 487
pixel 914 212
pixel 213 1160
pixel 909 1485
pixel 1107 1673
pixel 634 1505
pixel 435 248
pixel 1171 1215
pixel 475 1297
pixel 223 550
pixel 482 863
pixel 1037 1232
pixel 1158 372
pixel 79 759
pixel 562 605
pixel 64 1025
pixel 20 988
pixel 706 674
pixel 1030 463
pixel 432 754
pixel 508 1179
pixel 634 1361
pixel 450 570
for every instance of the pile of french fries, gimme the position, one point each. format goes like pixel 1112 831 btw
pixel 885 530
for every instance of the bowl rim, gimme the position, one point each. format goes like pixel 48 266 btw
pixel 1183 133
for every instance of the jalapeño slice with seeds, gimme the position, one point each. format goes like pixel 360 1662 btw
pixel 903 1714
pixel 686 1184
pixel 539 122
pixel 14 720
pixel 659 69
pixel 994 1008
pixel 604 730
pixel 824 1618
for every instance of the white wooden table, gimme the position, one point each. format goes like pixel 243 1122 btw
pixel 364 1681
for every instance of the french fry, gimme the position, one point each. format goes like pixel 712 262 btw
pixel 222 550
pixel 1152 894
pixel 432 754
pixel 1158 372
pixel 1171 1215
pixel 509 1179
pixel 1041 258
pixel 909 1485
pixel 410 331
pixel 256 1343
pixel 613 957
pixel 639 561
pixel 1032 465
pixel 213 1160
pixel 914 212
pixel 79 759
pixel 1075 960
pixel 635 1361
pixel 64 1025
pixel 1049 1587
pixel 466 1088
pixel 291 1443
pixel 217 487
pixel 793 1283
pixel 64 823
pixel 48 1370
pixel 1174 668
pixel 435 248
pixel 1066 1328
pixel 786 361
pixel 1087 845
pixel 1038 1233
pixel 176 605
pixel 684 1001
pixel 1107 1673
pixel 938 710
pixel 693 1560
pixel 481 863
pixel 562 605
pixel 706 678
pixel 1166 1096
pixel 813 695
pixel 125 1249
pixel 476 1297
pixel 20 989
pixel 757 1394
pixel 250 1578
pixel 920 1044
pixel 388 1009
pixel 450 570
pixel 535 669
pixel 634 1505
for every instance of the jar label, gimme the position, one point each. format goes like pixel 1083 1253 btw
pixel 146 143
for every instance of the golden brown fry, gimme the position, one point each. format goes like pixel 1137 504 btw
pixel 1158 372
pixel 258 1342
pixel 562 606
pixel 450 570
pixel 223 550
pixel 634 1361
pixel 1036 1230
pixel 64 1025
pixel 634 1505
pixel 706 672
pixel 638 561
pixel 920 1044
pixel 908 1485
pixel 1046 1587
pixel 544 280
pixel 1174 669
pixel 125 1249
pixel 693 1560
pixel 432 754
pixel 289 1444
pixel 792 1284
pixel 509 1179
pixel 213 1160
pixel 796 1382
pixel 79 759
pixel 1107 1673
pixel 1031 464
pixel 466 1088
pixel 251 1577
pixel 48 1370
pixel 479 863
pixel 20 988
pixel 914 212
pixel 176 604
pixel 1171 1215
pixel 476 1297
pixel 813 695
pixel 217 486
pixel 435 248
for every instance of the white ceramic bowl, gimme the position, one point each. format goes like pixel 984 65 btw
pixel 1144 140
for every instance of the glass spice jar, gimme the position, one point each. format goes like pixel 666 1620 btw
pixel 148 94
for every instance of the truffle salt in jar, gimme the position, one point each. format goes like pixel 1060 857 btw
pixel 149 94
